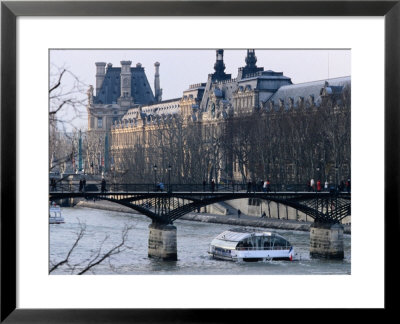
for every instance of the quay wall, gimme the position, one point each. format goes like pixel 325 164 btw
pixel 271 209
pixel 283 224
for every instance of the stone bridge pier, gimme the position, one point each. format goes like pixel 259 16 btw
pixel 162 241
pixel 326 241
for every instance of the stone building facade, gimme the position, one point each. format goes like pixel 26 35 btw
pixel 192 132
pixel 118 90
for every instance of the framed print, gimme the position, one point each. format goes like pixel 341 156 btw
pixel 35 34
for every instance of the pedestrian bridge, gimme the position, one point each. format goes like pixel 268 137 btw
pixel 166 206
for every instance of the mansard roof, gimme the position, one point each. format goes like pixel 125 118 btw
pixel 111 88
pixel 304 90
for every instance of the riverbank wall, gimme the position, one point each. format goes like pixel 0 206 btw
pixel 251 221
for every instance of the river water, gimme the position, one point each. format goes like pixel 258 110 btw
pixel 104 230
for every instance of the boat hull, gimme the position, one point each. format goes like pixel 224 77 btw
pixel 54 220
pixel 251 256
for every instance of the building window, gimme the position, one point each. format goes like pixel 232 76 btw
pixel 100 122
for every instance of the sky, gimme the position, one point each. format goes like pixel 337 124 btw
pixel 180 68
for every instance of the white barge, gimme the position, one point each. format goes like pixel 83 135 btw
pixel 55 214
pixel 242 244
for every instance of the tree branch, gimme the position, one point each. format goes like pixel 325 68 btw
pixel 58 82
pixel 115 250
pixel 80 235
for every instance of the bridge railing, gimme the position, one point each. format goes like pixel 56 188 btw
pixel 68 186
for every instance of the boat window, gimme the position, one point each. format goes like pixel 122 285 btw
pixel 247 244
pixel 279 242
pixel 240 246
pixel 266 242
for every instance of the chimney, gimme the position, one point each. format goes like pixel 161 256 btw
pixel 100 74
pixel 126 79
pixel 157 90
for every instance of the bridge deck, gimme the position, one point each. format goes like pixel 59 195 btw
pixel 280 193
pixel 165 207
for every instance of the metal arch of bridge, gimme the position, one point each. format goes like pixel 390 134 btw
pixel 322 208
pixel 166 207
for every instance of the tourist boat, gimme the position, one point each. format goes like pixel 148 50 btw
pixel 242 244
pixel 55 214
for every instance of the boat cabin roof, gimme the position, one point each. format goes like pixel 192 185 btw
pixel 239 234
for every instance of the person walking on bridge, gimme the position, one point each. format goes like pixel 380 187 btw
pixel 348 185
pixel 53 184
pixel 103 185
pixel 341 186
pixel 239 212
pixel 319 185
pixel 212 185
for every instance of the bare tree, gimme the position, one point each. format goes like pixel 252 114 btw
pixel 80 234
pixel 67 100
pixel 99 255
pixel 66 97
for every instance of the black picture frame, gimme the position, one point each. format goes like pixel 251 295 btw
pixel 10 10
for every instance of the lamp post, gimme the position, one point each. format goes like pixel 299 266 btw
pixel 169 177
pixel 318 178
pixel 336 188
pixel 336 174
pixel 155 176
pixel 80 151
